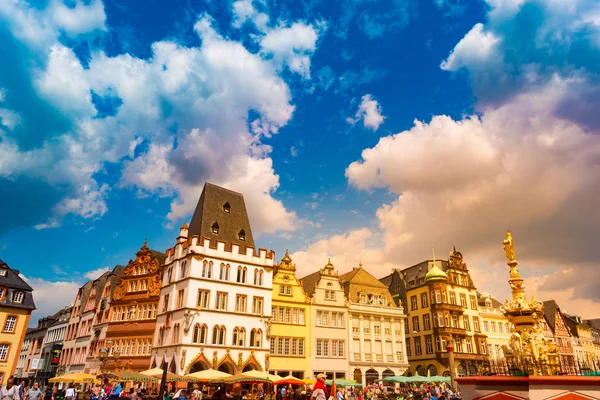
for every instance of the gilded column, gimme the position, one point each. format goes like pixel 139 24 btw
pixel 372 325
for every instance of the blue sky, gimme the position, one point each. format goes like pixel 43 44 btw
pixel 357 130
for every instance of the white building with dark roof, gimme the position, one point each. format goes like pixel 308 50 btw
pixel 215 303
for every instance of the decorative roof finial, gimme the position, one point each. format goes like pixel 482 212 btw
pixel 433 253
pixel 360 263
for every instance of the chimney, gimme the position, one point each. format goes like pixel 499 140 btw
pixel 183 233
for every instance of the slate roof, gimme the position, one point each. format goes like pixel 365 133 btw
pixel 14 283
pixel 359 280
pixel 309 282
pixel 210 210
pixel 161 257
pixel 419 270
pixel 594 323
pixel 481 298
pixel 550 308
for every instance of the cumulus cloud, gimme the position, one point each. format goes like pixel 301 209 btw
pixel 95 274
pixel 51 296
pixel 244 10
pixel 222 99
pixel 522 163
pixel 370 112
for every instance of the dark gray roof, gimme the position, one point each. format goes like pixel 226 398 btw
pixel 419 270
pixel 594 323
pixel 309 282
pixel 210 209
pixel 14 283
pixel 550 308
pixel 482 298
pixel 161 257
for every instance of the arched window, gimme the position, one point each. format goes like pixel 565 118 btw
pixel 255 337
pixel 204 268
pixel 252 337
pixel 203 334
pixel 215 335
pixel 244 271
pixel 242 235
pixel 227 208
pixel 215 228
pixel 222 335
pixel 255 276
pixel 222 272
pixel 260 278
pixel 196 334
pixel 235 337
pixel 438 296
pixel 241 337
pixel 239 274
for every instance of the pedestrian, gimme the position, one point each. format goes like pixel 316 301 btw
pixel 34 393
pixel 70 394
pixel 9 392
pixel 319 391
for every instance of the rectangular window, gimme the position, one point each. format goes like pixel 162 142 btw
pixel 486 326
pixel 387 331
pixel 469 345
pixel 274 313
pixel 325 348
pixel 428 345
pixel 415 322
pixel 281 312
pixel 301 317
pixel 482 347
pixel 288 315
pixel 280 346
pixel 295 347
pixel 466 322
pixel 413 303
pixel 476 324
pixel 418 350
pixel 285 290
pixel 286 344
pixel 295 316
pixel 500 327
pixel 221 301
pixel 334 348
pixel 493 324
pixel 473 302
pixel 18 297
pixel 9 325
pixel 340 320
pixel 452 298
pixel 341 351
pixel 240 303
pixel 180 298
pixel 454 321
pixel 408 347
pixel 426 322
pixel 319 348
pixel 424 300
pixel 459 345
pixel 203 298
pixel 325 319
pixel 272 346
pixel 300 347
pixel 257 305
pixel 377 329
pixel 463 300
pixel 319 318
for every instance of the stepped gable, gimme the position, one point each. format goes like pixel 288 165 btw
pixel 224 210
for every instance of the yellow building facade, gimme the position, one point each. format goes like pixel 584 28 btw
pixel 495 325
pixel 290 323
pixel 16 305
pixel 441 303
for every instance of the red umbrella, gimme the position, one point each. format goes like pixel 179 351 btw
pixel 289 380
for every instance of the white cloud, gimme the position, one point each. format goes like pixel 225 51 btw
pixel 243 11
pixel 465 182
pixel 96 273
pixel 291 46
pixel 206 91
pixel 370 112
pixel 476 48
pixel 81 18
pixel 49 297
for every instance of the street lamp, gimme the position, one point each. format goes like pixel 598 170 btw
pixel 104 355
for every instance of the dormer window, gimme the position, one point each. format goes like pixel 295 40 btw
pixel 215 228
pixel 242 235
pixel 2 271
pixel 18 297
pixel 227 208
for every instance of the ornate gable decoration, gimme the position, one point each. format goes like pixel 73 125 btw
pixel 286 263
pixel 145 263
pixel 456 259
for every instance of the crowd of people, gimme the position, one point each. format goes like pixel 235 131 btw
pixel 320 391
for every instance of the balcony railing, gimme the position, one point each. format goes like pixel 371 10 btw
pixel 379 357
pixel 447 306
pixel 368 357
pixel 357 357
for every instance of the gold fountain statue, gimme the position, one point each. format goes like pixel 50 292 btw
pixel 527 346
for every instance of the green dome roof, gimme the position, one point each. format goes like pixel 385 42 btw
pixel 435 274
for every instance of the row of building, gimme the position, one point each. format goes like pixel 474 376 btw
pixel 215 301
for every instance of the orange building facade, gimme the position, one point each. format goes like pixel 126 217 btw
pixel 133 310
